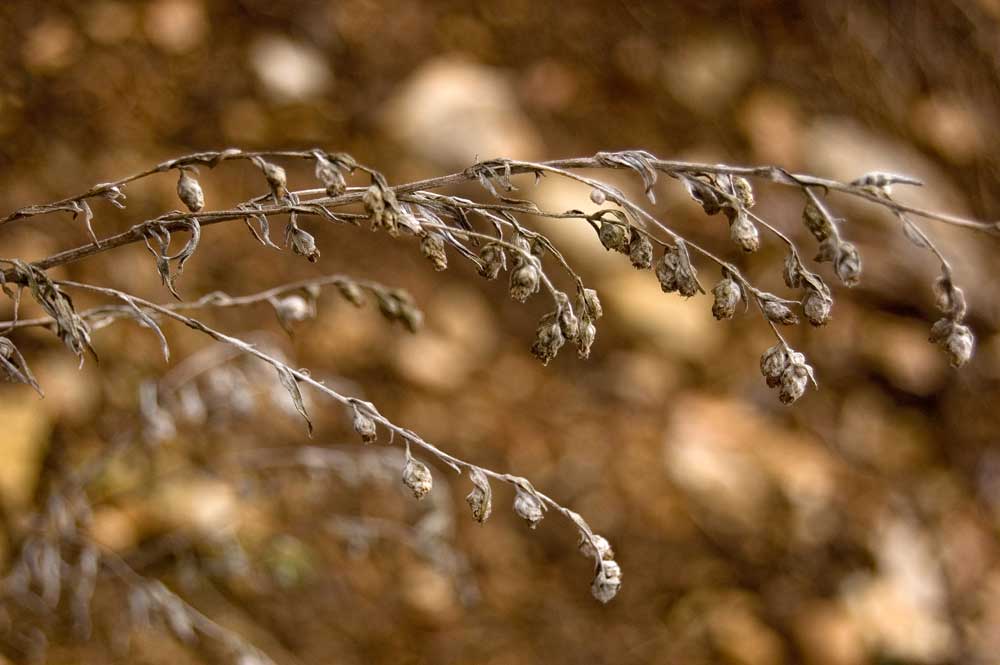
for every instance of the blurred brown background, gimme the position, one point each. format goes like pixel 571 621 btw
pixel 857 526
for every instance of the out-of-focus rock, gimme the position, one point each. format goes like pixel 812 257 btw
pixel 290 70
pixel 176 26
pixel 706 71
pixel 453 112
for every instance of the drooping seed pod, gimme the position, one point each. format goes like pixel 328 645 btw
pixel 588 304
pixel 432 248
pixel 365 427
pixel 818 224
pixel 417 477
pixel 727 296
pixel 548 338
pixel 275 176
pixel 480 499
pixel 528 507
pixel 960 345
pixel 791 272
pixel 704 194
pixel 666 271
pixel 778 312
pixel 598 197
pixel 794 379
pixel 351 292
pixel 301 242
pixel 374 203
pixel 640 251
pixel 614 236
pixel 773 363
pixel 189 192
pixel 817 306
pixel 585 338
pixel 676 273
pixel 603 551
pixel 493 260
pixel 331 177
pixel 292 309
pixel 524 281
pixel 744 191
pixel 744 233
pixel 607 581
pixel 847 264
pixel 568 321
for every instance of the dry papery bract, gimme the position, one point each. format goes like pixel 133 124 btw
pixel 494 235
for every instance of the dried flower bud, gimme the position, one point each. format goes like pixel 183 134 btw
pixel 828 250
pixel 585 339
pixel 398 305
pixel 301 242
pixel 666 271
pixel 675 272
pixel 331 177
pixel 374 203
pixel 640 251
pixel 950 298
pixel 548 338
pixel 607 582
pixel 493 260
pixel 773 363
pixel 847 265
pixel 588 304
pixel 778 312
pixel 614 236
pixel 744 191
pixel 365 427
pixel 817 306
pixel 524 281
pixel 727 296
pixel 704 194
pixel 794 379
pixel 537 248
pixel 480 499
pixel 417 477
pixel 275 176
pixel 432 248
pixel 598 197
pixel 528 507
pixel 791 272
pixel 352 293
pixel 568 322
pixel 744 232
pixel 603 551
pixel 189 192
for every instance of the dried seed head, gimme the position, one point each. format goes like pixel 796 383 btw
pixel 598 197
pixel 956 339
pixel 744 191
pixel 568 322
pixel 817 223
pixel 301 242
pixel 950 298
pixel 640 251
pixel 275 176
pixel 727 297
pixel 417 477
pixel 817 307
pixel 703 193
pixel 828 250
pixel 847 264
pixel 675 272
pixel 588 304
pixel 537 248
pixel 352 293
pixel 293 309
pixel 189 192
pixel 548 338
pixel 331 177
pixel 603 551
pixel 528 507
pixel 585 339
pixel 374 203
pixel 480 499
pixel 614 236
pixel 365 427
pixel 794 379
pixel 607 582
pixel 791 273
pixel 773 363
pixel 432 248
pixel 744 232
pixel 493 260
pixel 666 271
pixel 778 312
pixel 524 281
